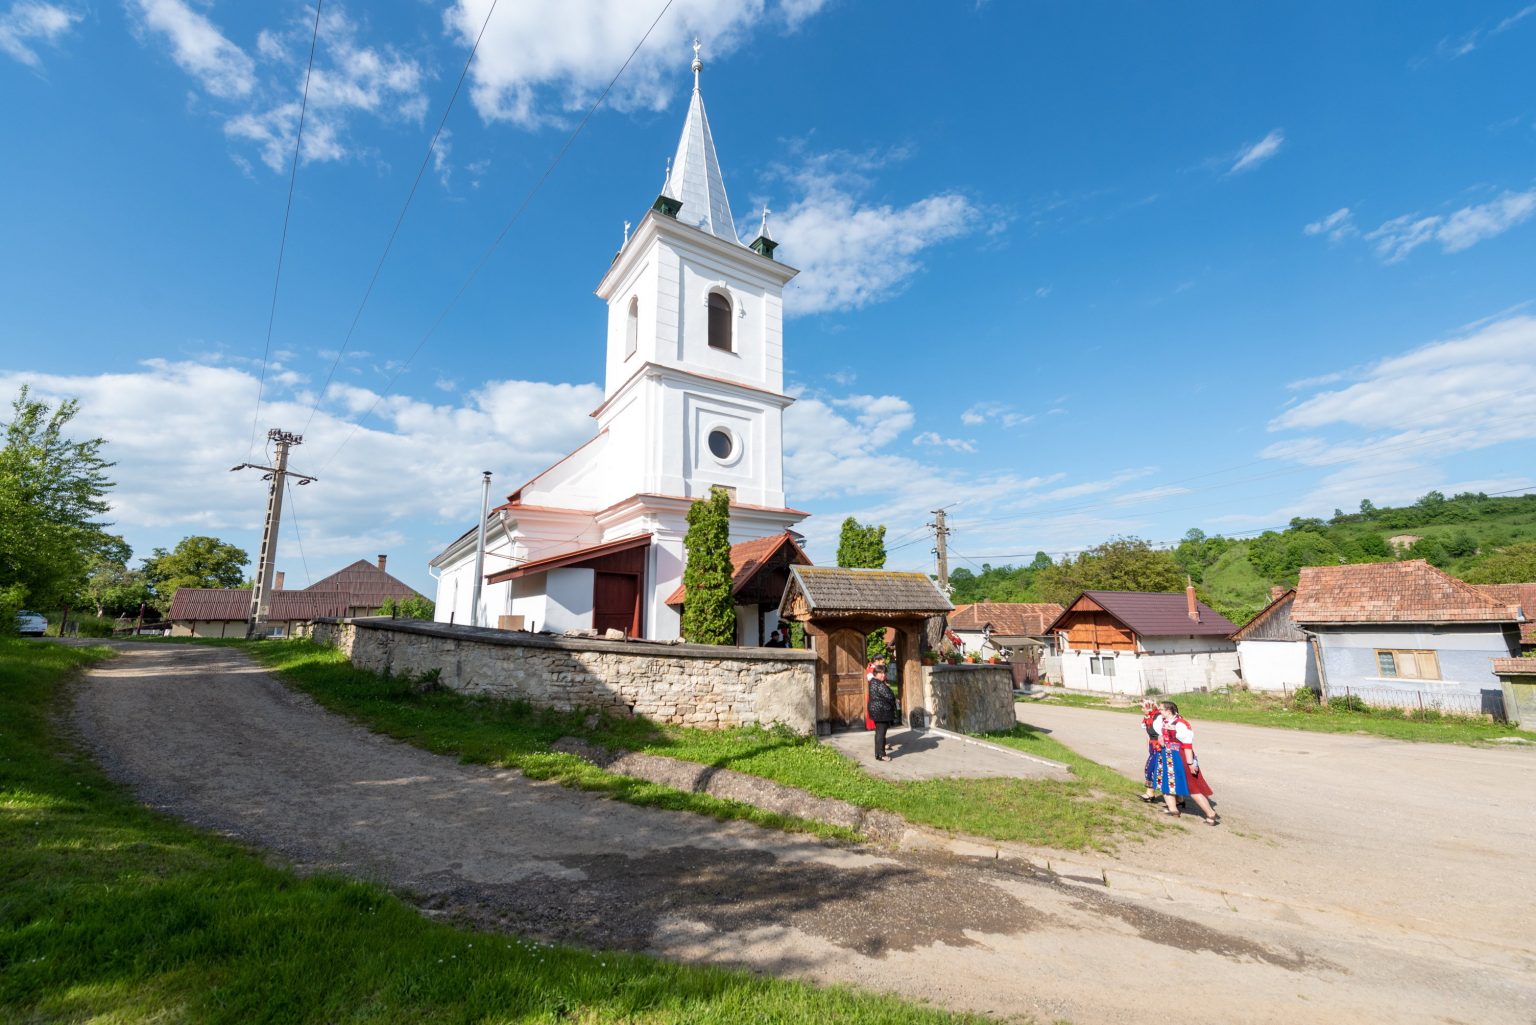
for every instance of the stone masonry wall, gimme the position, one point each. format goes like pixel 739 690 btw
pixel 969 698
pixel 687 684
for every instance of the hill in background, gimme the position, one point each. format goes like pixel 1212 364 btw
pixel 1479 538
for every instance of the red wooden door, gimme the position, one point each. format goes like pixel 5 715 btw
pixel 849 688
pixel 616 603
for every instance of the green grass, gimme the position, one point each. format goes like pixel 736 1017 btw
pixel 111 913
pixel 1259 709
pixel 1092 810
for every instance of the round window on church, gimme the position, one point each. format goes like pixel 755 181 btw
pixel 720 444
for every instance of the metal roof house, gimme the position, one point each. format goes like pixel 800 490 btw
pixel 1135 642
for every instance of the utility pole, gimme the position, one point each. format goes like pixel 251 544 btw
pixel 941 548
pixel 261 594
pixel 485 510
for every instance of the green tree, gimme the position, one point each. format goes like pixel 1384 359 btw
pixel 197 561
pixel 1461 544
pixel 709 614
pixel 1430 550
pixel 861 547
pixel 414 607
pixel 1513 565
pixel 1367 507
pixel 1121 564
pixel 1041 561
pixel 115 590
pixel 52 491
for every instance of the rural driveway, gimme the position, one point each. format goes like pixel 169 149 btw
pixel 206 735
pixel 1436 838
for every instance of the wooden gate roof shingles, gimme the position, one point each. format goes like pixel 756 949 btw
pixel 833 591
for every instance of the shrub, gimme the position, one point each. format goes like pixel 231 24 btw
pixel 1348 703
pixel 1305 699
pixel 1153 691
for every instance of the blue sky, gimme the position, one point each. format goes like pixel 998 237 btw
pixel 1072 270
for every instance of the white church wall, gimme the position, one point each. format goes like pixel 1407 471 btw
pixel 665 572
pixel 746 626
pixel 569 597
pixel 640 285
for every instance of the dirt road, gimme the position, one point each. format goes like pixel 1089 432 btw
pixel 1430 838
pixel 208 736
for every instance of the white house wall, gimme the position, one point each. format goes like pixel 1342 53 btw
pixel 568 593
pixel 1135 672
pixel 1277 665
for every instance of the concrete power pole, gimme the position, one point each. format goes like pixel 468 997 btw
pixel 485 510
pixel 941 548
pixel 266 565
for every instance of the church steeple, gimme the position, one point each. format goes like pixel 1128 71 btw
pixel 694 180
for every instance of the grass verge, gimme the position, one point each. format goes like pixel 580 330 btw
pixel 112 913
pixel 1260 709
pixel 1093 810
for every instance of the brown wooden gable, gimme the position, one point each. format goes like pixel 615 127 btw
pixel 1087 626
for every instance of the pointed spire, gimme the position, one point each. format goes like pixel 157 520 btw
pixel 695 179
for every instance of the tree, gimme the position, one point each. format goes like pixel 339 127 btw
pixel 1430 550
pixel 1513 565
pixel 1041 561
pixel 197 561
pixel 414 607
pixel 1367 507
pixel 1461 544
pixel 52 490
pixel 115 590
pixel 709 614
pixel 1121 564
pixel 860 547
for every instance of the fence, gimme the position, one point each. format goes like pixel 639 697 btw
pixel 1489 701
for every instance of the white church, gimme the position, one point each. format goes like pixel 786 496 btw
pixel 693 397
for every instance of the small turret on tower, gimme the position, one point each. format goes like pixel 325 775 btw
pixel 764 245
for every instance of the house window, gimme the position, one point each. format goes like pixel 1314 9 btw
pixel 632 328
pixel 1102 665
pixel 1407 665
pixel 720 322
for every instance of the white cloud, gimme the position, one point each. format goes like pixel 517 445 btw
pixel 406 478
pixel 1456 231
pixel 349 79
pixel 1338 225
pixel 27 22
pixel 538 62
pixel 198 47
pixel 1001 412
pixel 852 254
pixel 1387 433
pixel 1252 156
pixel 936 439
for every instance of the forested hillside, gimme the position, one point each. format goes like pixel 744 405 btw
pixel 1478 538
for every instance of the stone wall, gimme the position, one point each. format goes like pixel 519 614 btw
pixel 687 684
pixel 969 698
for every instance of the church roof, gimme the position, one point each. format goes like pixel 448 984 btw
pixel 694 179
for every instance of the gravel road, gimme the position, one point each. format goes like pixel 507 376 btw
pixel 206 735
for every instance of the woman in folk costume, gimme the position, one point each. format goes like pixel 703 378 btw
pixel 1178 770
pixel 1154 730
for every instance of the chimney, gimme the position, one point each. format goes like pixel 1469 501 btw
pixel 382 560
pixel 277 581
pixel 1275 592
pixel 1189 598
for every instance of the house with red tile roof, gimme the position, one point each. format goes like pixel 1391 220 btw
pixel 1017 631
pixel 1523 595
pixel 223 611
pixel 1133 642
pixel 1402 632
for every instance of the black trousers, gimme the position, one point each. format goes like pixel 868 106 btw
pixel 880 728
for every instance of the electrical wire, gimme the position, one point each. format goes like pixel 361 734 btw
pixel 496 244
pixel 389 243
pixel 293 512
pixel 282 246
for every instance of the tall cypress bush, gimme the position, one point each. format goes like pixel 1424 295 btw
pixel 709 615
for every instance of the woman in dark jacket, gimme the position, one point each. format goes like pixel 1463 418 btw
pixel 881 709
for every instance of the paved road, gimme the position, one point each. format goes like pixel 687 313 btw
pixel 1436 838
pixel 207 736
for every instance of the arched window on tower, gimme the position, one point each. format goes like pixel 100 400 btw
pixel 720 322
pixel 632 328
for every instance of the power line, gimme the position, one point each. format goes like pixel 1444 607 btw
pixel 293 511
pixel 282 246
pixel 390 242
pixel 491 250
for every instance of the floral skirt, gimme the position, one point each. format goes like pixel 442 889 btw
pixel 1150 773
pixel 1172 776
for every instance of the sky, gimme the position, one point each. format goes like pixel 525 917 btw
pixel 1069 271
